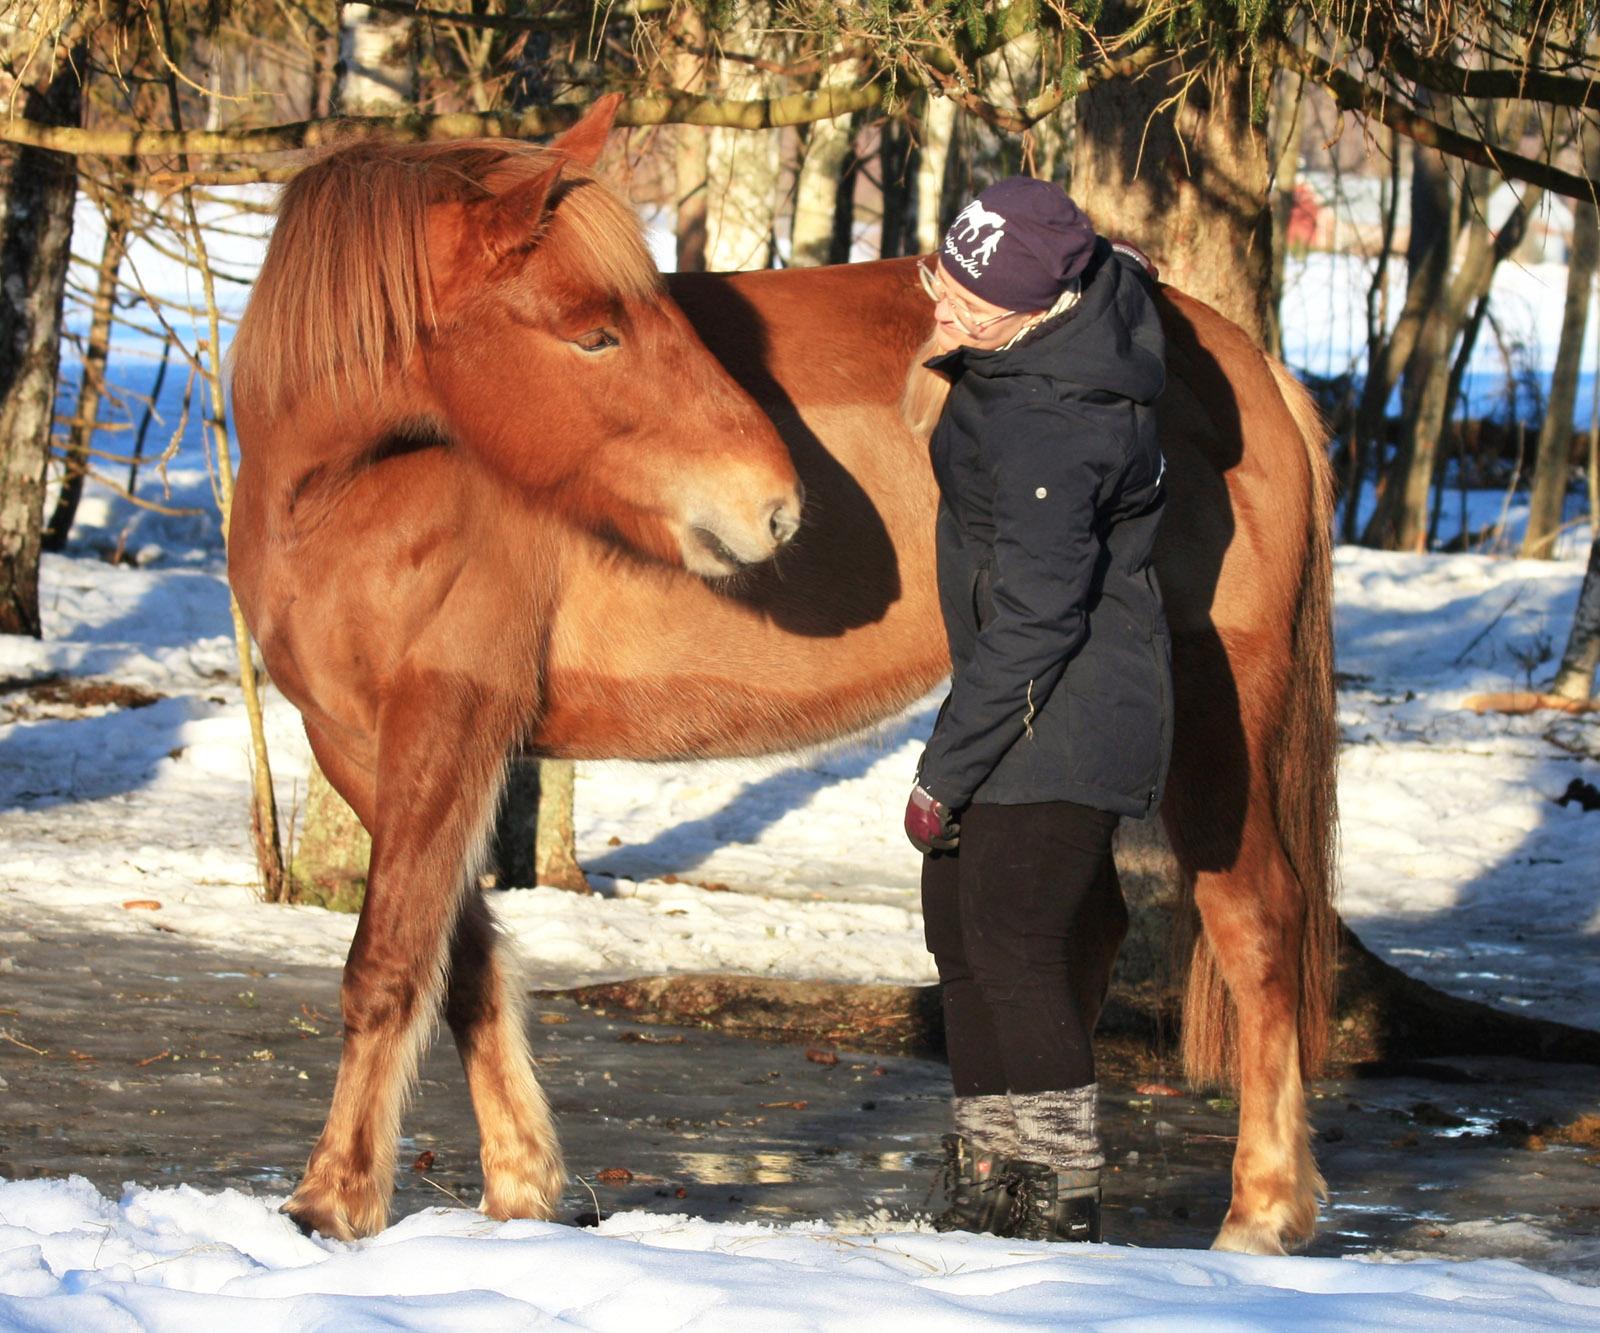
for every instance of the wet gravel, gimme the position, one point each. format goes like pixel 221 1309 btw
pixel 150 1059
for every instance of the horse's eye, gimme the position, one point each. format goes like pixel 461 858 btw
pixel 596 340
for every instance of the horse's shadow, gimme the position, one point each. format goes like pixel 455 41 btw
pixel 843 544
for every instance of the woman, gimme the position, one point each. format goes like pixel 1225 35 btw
pixel 1058 720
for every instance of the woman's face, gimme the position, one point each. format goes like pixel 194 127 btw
pixel 962 319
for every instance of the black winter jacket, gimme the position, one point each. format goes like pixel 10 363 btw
pixel 1050 481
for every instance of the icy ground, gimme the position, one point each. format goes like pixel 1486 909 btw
pixel 1457 862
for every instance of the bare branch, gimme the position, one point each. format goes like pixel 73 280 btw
pixel 1352 94
pixel 572 20
pixel 1526 85
pixel 665 108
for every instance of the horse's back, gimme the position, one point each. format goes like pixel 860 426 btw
pixel 841 332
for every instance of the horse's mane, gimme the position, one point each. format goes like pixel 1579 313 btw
pixel 344 290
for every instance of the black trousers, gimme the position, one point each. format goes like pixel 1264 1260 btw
pixel 1024 920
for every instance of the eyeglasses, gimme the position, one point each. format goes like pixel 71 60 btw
pixel 964 319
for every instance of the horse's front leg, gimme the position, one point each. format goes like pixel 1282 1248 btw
pixel 522 1168
pixel 440 752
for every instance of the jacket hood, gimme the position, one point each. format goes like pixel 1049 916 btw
pixel 1111 340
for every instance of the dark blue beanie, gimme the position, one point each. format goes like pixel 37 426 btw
pixel 1018 244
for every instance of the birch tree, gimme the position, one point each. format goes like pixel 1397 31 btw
pixel 377 71
pixel 938 135
pixel 742 167
pixel 827 146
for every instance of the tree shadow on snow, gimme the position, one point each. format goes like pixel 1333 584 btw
pixel 758 806
pixel 50 761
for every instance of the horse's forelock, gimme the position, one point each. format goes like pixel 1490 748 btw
pixel 345 286
pixel 599 239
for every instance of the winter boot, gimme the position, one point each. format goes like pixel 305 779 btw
pixel 975 1199
pixel 1047 1204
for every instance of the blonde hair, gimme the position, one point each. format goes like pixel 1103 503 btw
pixel 922 399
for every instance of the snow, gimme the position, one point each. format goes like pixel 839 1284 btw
pixel 178 1259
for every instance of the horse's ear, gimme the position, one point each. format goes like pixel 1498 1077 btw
pixel 585 139
pixel 512 221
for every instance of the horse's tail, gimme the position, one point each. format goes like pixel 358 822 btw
pixel 1304 771
pixel 1306 762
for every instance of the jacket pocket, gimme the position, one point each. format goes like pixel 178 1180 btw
pixel 983 595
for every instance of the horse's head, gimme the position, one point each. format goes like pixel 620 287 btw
pixel 555 352
pixel 501 293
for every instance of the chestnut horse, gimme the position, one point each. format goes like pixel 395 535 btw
pixel 496 495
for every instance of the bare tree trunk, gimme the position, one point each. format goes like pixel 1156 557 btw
pixel 1400 522
pixel 1372 411
pixel 844 203
pixel 37 191
pixel 377 69
pixel 328 862
pixel 534 839
pixel 1014 76
pixel 376 73
pixel 817 193
pixel 1287 99
pixel 1437 310
pixel 1553 462
pixel 1594 451
pixel 896 172
pixel 938 129
pixel 817 190
pixel 742 176
pixel 1186 183
pixel 691 150
pixel 118 213
pixel 1575 678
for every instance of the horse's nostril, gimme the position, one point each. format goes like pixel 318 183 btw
pixel 785 522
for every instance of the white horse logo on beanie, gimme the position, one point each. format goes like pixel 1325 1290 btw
pixel 974 218
pixel 969 225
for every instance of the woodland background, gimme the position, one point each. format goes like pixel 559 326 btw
pixel 1430 139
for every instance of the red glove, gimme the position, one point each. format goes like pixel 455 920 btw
pixel 930 824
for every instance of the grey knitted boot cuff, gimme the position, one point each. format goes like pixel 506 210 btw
pixel 988 1123
pixel 1059 1128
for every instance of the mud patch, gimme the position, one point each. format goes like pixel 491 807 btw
pixel 63 698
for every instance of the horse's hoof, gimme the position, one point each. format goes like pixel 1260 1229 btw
pixel 302 1223
pixel 331 1219
pixel 1249 1238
